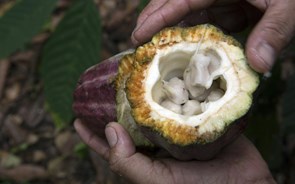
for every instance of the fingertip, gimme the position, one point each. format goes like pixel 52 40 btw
pixel 140 35
pixel 77 124
pixel 122 133
pixel 113 125
pixel 111 136
pixel 117 127
pixel 80 128
pixel 260 60
pixel 134 40
pixel 120 140
pixel 260 53
pixel 271 34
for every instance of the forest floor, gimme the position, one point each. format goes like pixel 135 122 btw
pixel 32 150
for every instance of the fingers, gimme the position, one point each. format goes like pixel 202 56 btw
pixel 272 33
pixel 149 9
pixel 98 144
pixel 124 159
pixel 121 154
pixel 119 140
pixel 169 13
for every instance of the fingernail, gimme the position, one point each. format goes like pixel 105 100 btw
pixel 267 54
pixel 133 39
pixel 111 136
pixel 136 27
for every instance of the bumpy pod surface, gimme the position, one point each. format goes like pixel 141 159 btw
pixel 185 91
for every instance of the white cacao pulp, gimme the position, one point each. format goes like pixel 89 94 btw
pixel 189 83
pixel 188 94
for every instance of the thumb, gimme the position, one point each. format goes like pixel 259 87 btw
pixel 119 140
pixel 123 158
pixel 271 35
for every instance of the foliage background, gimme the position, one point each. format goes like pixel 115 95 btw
pixel 45 46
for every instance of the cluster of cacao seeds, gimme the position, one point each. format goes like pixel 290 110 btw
pixel 189 94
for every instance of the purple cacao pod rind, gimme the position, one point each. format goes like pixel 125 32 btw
pixel 95 95
pixel 197 151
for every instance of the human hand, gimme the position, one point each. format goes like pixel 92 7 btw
pixel 239 162
pixel 271 34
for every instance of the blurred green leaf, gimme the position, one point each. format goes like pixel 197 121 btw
pixel 73 47
pixel 289 107
pixel 81 150
pixel 21 23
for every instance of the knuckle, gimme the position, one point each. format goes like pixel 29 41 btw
pixel 189 4
pixel 163 17
pixel 115 163
pixel 114 166
pixel 90 139
pixel 164 170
